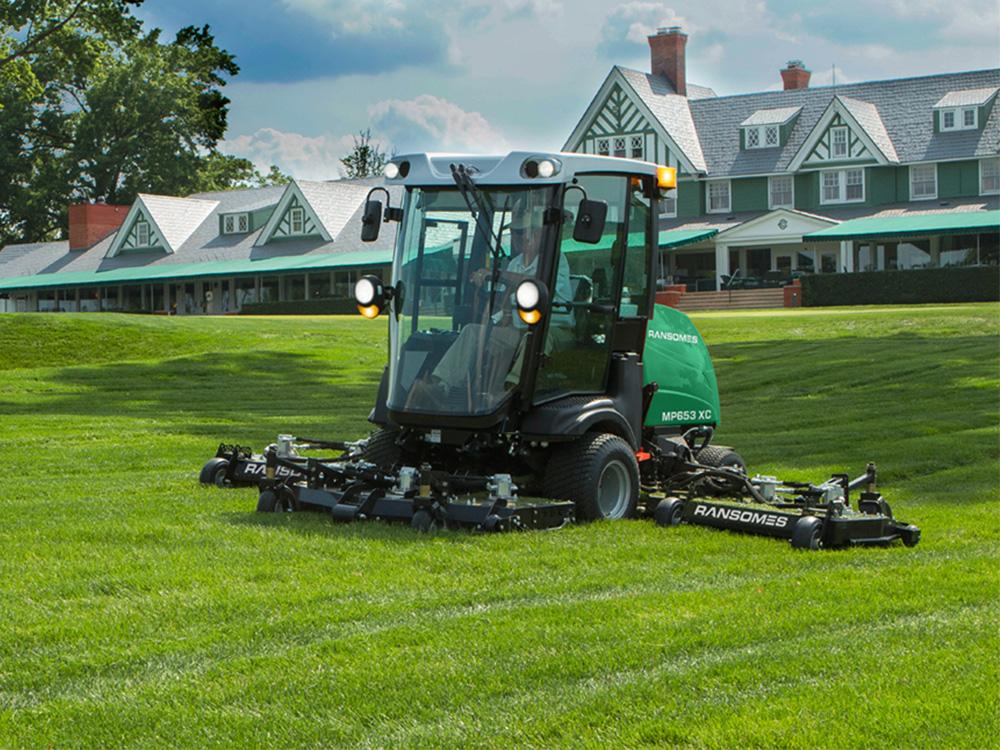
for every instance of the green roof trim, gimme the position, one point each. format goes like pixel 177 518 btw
pixel 680 237
pixel 163 271
pixel 917 225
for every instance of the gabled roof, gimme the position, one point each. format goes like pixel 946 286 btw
pixel 967 98
pixel 671 110
pixel 903 105
pixel 176 218
pixel 778 116
pixel 867 117
pixel 205 244
pixel 329 204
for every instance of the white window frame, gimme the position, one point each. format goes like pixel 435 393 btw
pixel 770 191
pixel 297 211
pixel 760 133
pixel 140 225
pixel 914 171
pixel 842 186
pixel 995 160
pixel 958 119
pixel 621 153
pixel 708 197
pixel 234 220
pixel 603 147
pixel 833 142
pixel 641 140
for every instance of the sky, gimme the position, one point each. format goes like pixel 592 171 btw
pixel 478 76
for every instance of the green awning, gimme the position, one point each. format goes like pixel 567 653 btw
pixel 916 225
pixel 161 271
pixel 679 237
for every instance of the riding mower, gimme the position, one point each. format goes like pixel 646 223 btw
pixel 532 381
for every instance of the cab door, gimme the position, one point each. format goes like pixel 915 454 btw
pixel 586 293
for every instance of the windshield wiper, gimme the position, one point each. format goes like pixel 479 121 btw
pixel 463 179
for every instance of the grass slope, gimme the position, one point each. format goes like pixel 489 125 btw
pixel 138 609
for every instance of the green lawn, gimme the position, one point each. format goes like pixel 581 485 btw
pixel 139 609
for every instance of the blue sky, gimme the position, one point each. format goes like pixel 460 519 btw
pixel 488 76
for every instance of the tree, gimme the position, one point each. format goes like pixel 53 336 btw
pixel 366 158
pixel 93 107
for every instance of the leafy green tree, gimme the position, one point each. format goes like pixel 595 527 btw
pixel 366 158
pixel 93 107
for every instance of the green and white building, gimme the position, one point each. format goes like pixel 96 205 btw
pixel 892 174
pixel 208 253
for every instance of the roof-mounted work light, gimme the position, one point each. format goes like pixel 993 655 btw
pixel 532 297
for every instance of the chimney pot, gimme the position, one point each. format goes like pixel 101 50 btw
pixel 667 57
pixel 795 76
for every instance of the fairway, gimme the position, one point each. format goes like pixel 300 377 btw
pixel 140 609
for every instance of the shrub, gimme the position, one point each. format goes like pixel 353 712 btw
pixel 969 284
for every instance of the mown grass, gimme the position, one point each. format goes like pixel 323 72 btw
pixel 138 609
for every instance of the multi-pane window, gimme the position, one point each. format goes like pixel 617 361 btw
pixel 838 143
pixel 781 188
pixel 923 181
pixel 855 185
pixel 637 144
pixel 989 175
pixel 603 147
pixel 718 196
pixel 297 220
pixel 668 204
pixel 960 118
pixel 235 224
pixel 620 147
pixel 142 234
pixel 842 186
pixel 761 136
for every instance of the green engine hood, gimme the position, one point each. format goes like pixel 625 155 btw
pixel 677 360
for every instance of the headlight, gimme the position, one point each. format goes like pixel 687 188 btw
pixel 391 171
pixel 546 168
pixel 532 299
pixel 528 295
pixel 365 291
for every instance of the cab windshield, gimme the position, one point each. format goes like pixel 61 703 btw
pixel 457 343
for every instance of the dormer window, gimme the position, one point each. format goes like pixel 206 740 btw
pixel 761 136
pixel 235 223
pixel 959 118
pixel 142 234
pixel 603 147
pixel 960 110
pixel 763 129
pixel 838 143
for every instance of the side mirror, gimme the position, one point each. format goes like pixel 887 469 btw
pixel 590 219
pixel 371 221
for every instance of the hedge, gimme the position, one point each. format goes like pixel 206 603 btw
pixel 322 306
pixel 969 284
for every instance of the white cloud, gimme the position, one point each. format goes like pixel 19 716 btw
pixel 304 157
pixel 429 123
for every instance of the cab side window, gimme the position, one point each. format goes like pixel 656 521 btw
pixel 635 282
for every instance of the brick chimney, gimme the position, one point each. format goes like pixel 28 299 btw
pixel 666 52
pixel 89 223
pixel 795 76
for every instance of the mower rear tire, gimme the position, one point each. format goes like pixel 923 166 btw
pixel 720 457
pixel 669 511
pixel 382 449
pixel 808 533
pixel 599 473
pixel 214 472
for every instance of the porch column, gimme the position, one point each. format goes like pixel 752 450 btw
pixel 305 285
pixel 935 249
pixel 721 264
pixel 846 256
